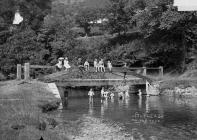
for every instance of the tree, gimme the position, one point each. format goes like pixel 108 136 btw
pixel 22 47
pixel 163 22
pixel 119 16
pixel 86 17
pixel 57 32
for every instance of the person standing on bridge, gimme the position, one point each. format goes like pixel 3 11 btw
pixel 96 65
pixel 109 65
pixel 59 65
pixel 91 94
pixel 87 65
pixel 125 70
pixel 66 64
pixel 80 65
pixel 101 66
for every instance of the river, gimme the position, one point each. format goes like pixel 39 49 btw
pixel 138 117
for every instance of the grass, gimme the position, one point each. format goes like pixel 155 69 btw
pixel 168 81
pixel 2 77
pixel 20 115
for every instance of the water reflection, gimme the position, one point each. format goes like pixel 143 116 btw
pixel 104 106
pixel 127 102
pixel 152 116
pixel 140 102
pixel 112 100
pixel 91 109
pixel 147 105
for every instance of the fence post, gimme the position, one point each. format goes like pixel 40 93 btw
pixel 26 71
pixel 18 74
pixel 144 71
pixel 161 71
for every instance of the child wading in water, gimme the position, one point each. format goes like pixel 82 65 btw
pixel 91 94
pixel 121 95
pixel 102 92
pixel 112 95
pixel 127 94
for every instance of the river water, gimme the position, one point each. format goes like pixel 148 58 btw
pixel 155 117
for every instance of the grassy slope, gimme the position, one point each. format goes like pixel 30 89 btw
pixel 189 78
pixel 23 113
pixel 20 116
pixel 88 3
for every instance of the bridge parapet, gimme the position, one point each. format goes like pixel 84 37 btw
pixel 140 72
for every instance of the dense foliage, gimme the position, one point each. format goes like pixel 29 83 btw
pixel 139 32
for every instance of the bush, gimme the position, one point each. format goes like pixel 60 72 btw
pixel 2 77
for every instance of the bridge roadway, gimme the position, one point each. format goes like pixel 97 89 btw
pixel 116 77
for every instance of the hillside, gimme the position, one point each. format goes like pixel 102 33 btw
pixel 88 3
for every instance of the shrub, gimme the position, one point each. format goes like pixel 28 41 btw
pixel 2 77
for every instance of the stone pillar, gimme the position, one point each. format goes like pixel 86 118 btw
pixel 64 96
pixel 27 71
pixel 161 71
pixel 65 99
pixel 144 71
pixel 18 74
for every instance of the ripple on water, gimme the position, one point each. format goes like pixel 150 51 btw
pixel 167 118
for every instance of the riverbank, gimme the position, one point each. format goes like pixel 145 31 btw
pixel 21 111
pixel 22 116
pixel 182 85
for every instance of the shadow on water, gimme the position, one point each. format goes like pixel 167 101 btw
pixel 158 116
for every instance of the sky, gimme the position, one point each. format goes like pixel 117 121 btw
pixel 186 5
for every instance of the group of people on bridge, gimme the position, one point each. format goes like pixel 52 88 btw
pixel 63 64
pixel 99 66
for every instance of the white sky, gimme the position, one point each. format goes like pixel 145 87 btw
pixel 186 5
pixel 185 2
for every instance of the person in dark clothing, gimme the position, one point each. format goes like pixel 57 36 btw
pixel 80 65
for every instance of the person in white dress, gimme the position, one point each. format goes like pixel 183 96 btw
pixel 101 66
pixel 59 65
pixel 109 66
pixel 106 94
pixel 66 64
pixel 87 65
pixel 96 65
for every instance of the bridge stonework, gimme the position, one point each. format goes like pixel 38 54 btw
pixel 99 82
